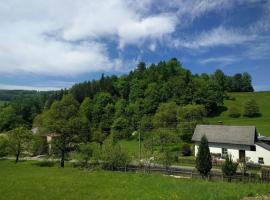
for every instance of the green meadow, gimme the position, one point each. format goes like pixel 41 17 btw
pixel 26 180
pixel 262 123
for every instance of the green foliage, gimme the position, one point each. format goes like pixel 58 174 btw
pixel 88 152
pixel 203 157
pixel 39 145
pixel 189 116
pixel 114 156
pixel 63 119
pixel 234 112
pixel 229 167
pixel 121 129
pixel 9 118
pixel 166 115
pixel 166 158
pixel 251 108
pixel 3 146
pixel 164 137
pixel 19 140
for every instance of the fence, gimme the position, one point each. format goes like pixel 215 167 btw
pixel 189 173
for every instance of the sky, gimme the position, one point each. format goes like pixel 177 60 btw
pixel 52 44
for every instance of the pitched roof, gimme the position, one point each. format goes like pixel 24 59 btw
pixel 244 135
pixel 263 145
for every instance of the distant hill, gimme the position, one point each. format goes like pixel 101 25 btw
pixel 8 95
pixel 238 99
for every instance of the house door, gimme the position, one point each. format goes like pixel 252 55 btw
pixel 242 155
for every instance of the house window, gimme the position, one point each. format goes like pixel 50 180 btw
pixel 224 152
pixel 260 160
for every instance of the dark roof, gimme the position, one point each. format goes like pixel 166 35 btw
pixel 244 135
pixel 263 145
pixel 264 138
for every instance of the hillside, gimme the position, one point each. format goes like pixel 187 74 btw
pixel 262 123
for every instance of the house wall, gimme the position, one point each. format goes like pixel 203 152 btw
pixel 234 151
pixel 260 152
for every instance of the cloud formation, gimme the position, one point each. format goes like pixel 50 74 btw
pixel 65 37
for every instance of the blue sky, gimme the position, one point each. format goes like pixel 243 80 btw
pixel 55 43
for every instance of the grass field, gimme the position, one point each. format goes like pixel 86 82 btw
pixel 262 123
pixel 26 180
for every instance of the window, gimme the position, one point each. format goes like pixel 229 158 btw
pixel 260 160
pixel 224 153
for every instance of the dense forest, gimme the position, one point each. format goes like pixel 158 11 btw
pixel 130 102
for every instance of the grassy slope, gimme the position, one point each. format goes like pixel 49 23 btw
pixel 28 181
pixel 262 123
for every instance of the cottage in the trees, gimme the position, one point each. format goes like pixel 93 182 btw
pixel 241 142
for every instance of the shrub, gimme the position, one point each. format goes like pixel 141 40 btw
pixel 166 158
pixel 3 146
pixel 114 156
pixel 229 167
pixel 186 150
pixel 86 153
pixel 234 112
pixel 251 109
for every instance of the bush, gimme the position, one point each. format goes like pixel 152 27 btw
pixel 251 109
pixel 186 150
pixel 88 152
pixel 114 156
pixel 3 146
pixel 234 112
pixel 166 158
pixel 229 167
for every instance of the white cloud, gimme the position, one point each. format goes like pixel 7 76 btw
pixel 225 60
pixel 150 28
pixel 64 37
pixel 216 37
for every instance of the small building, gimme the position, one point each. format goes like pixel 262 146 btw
pixel 241 142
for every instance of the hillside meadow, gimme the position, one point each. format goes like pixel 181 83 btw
pixel 26 180
pixel 238 99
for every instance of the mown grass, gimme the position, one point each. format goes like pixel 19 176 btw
pixel 262 123
pixel 26 180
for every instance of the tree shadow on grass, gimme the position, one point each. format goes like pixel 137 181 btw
pixel 45 163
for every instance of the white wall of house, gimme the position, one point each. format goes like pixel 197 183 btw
pixel 234 151
pixel 260 152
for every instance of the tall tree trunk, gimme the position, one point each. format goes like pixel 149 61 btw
pixel 17 156
pixel 62 162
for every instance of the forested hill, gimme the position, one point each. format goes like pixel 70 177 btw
pixel 166 81
pixel 134 97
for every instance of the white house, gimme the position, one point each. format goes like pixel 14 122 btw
pixel 241 142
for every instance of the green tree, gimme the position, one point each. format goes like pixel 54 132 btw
pixel 120 129
pixel 251 108
pixel 234 112
pixel 189 116
pixel 9 118
pixel 203 157
pixel 166 115
pixel 229 167
pixel 220 79
pixel 19 140
pixel 247 83
pixel 114 156
pixel 87 152
pixel 61 119
pixel 86 108
pixel 3 145
pixel 166 159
